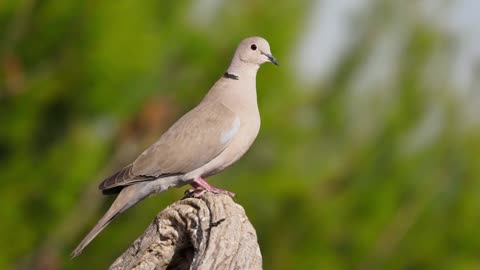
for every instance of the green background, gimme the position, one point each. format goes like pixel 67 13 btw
pixel 339 178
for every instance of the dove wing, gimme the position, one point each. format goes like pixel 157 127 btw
pixel 194 140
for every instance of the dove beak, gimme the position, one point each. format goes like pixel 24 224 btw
pixel 271 58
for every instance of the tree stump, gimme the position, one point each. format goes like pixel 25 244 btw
pixel 208 232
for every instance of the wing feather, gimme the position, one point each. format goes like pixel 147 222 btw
pixel 193 141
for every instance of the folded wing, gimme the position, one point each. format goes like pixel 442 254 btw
pixel 194 140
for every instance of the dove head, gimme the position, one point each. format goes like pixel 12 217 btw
pixel 252 52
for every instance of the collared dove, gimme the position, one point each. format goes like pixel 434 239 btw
pixel 205 141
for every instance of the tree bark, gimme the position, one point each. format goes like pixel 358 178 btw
pixel 208 232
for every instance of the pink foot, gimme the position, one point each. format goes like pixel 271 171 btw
pixel 196 191
pixel 200 185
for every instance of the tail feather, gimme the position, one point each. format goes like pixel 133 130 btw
pixel 106 219
pixel 128 197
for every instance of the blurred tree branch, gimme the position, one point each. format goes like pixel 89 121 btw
pixel 209 232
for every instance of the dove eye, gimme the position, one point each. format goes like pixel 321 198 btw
pixel 253 47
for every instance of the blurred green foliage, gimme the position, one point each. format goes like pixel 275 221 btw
pixel 85 86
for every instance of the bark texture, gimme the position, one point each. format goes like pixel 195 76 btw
pixel 208 232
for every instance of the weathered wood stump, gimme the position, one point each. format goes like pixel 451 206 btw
pixel 208 232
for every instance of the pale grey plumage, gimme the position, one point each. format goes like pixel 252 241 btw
pixel 205 141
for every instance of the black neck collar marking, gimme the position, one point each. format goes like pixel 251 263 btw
pixel 230 76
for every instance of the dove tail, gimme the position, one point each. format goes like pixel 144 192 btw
pixel 128 197
pixel 106 219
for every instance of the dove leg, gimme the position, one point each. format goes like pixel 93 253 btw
pixel 196 191
pixel 200 184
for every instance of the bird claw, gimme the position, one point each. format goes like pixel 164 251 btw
pixel 194 192
pixel 200 186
